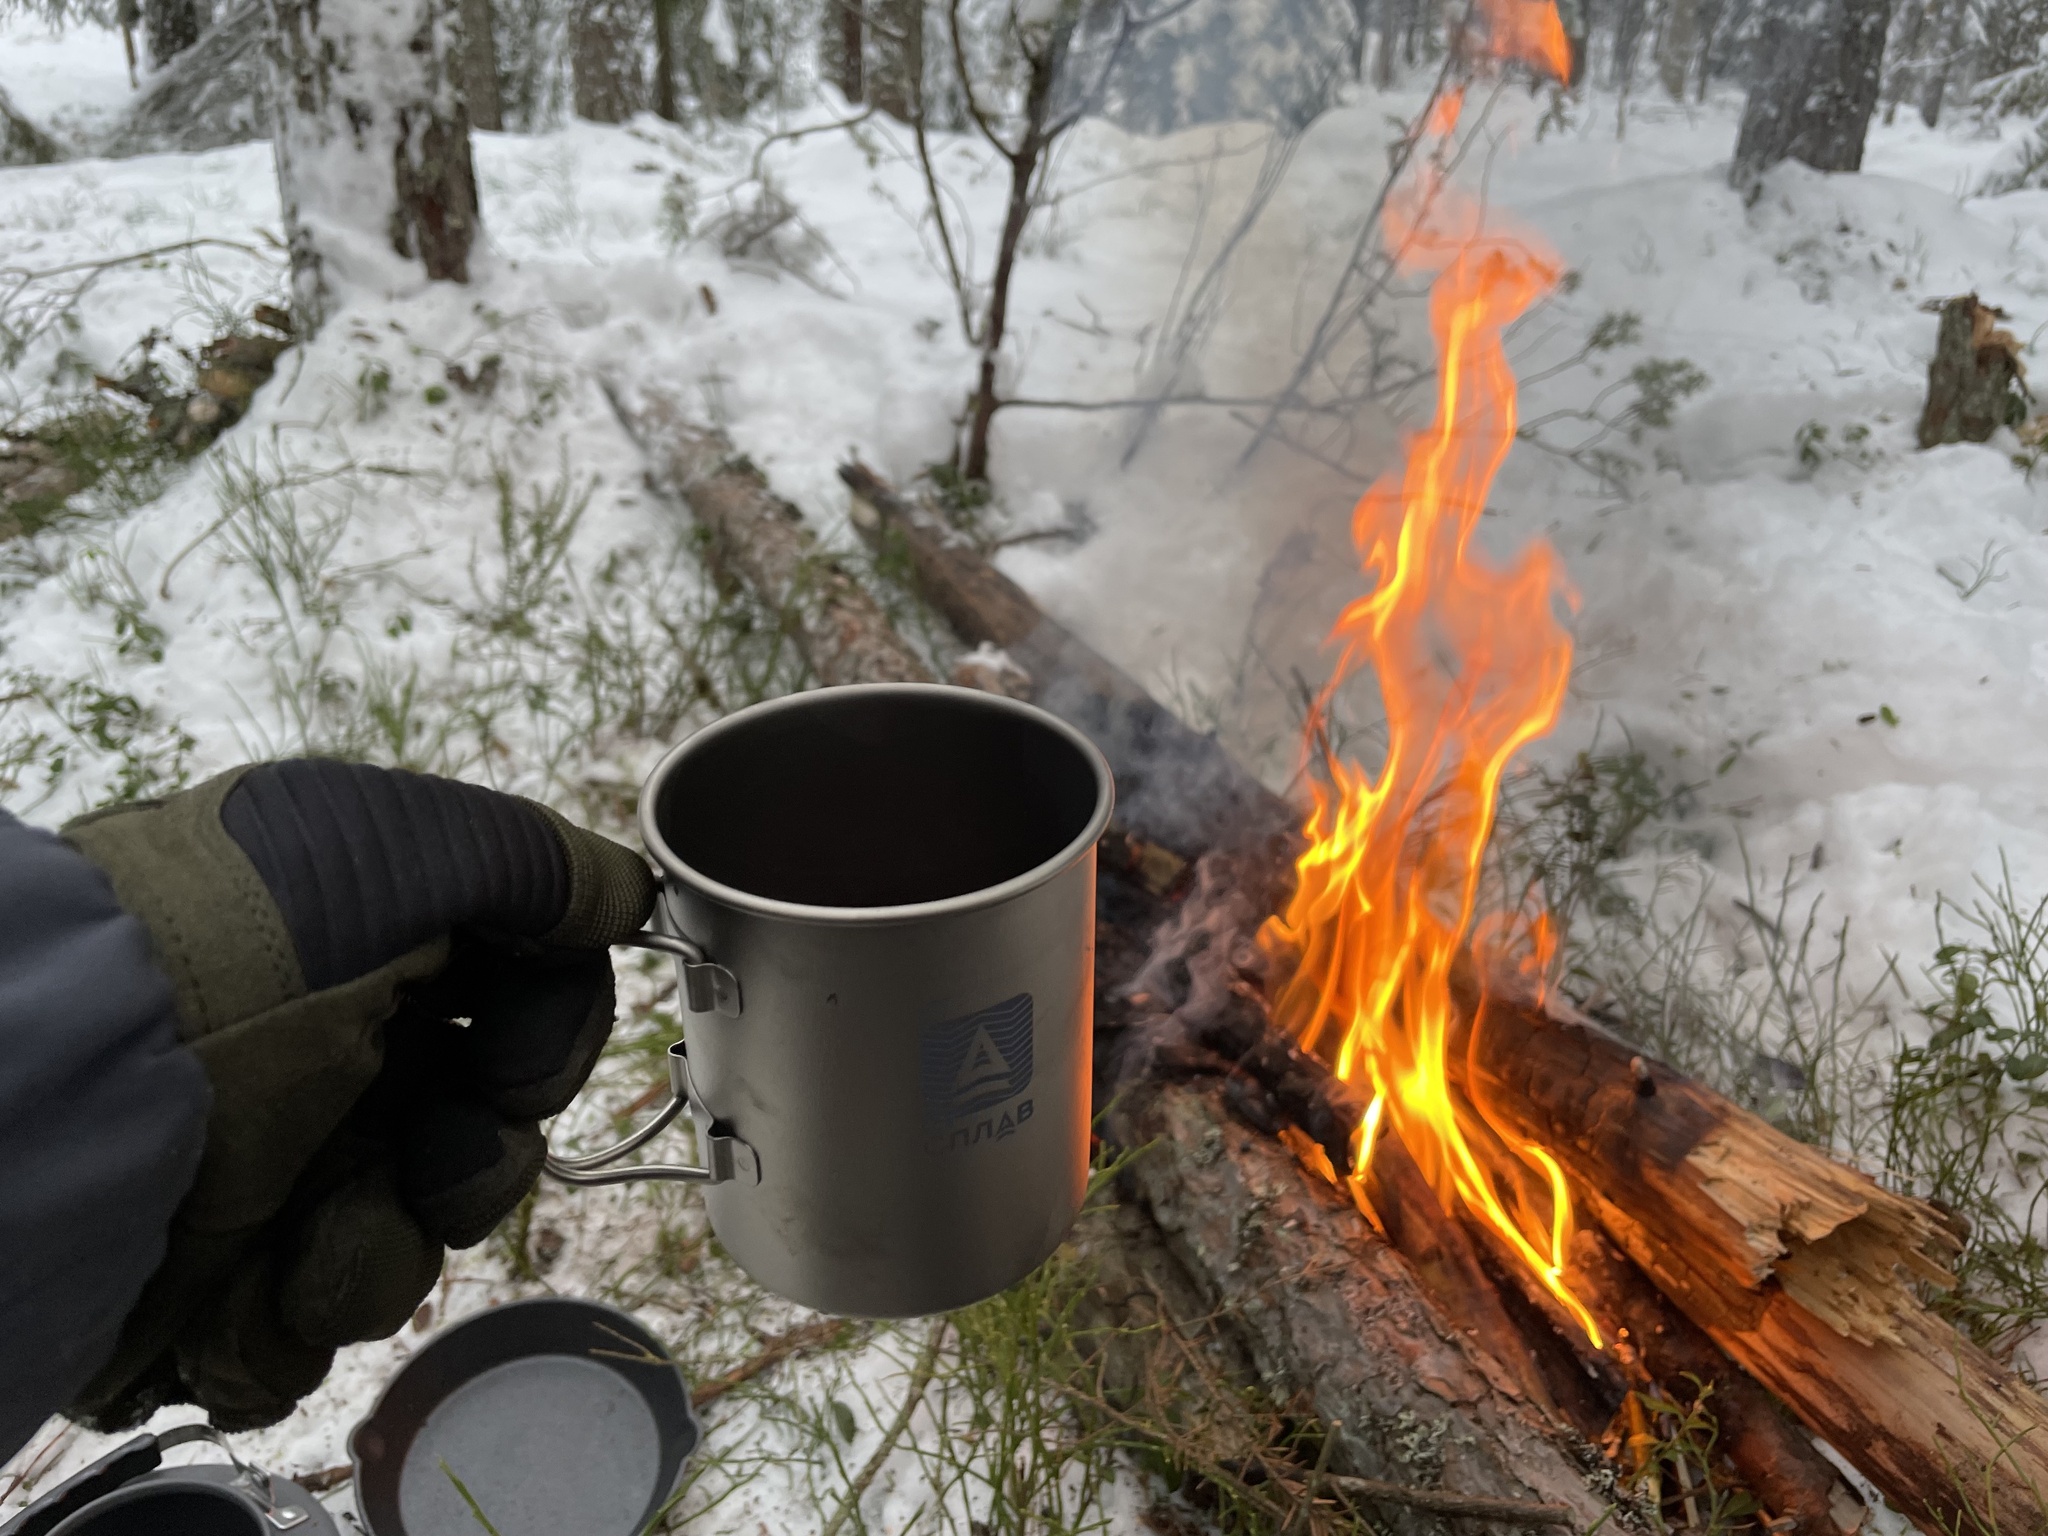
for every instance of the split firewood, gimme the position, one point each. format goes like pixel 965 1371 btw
pixel 1976 383
pixel 757 538
pixel 1807 1273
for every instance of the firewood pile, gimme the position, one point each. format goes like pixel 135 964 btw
pixel 1750 1295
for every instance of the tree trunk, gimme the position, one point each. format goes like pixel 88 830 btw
pixel 895 56
pixel 1708 26
pixel 605 61
pixel 1628 41
pixel 372 145
pixel 849 58
pixel 480 66
pixel 665 61
pixel 1934 80
pixel 1676 45
pixel 172 26
pixel 1822 69
pixel 218 92
pixel 1974 384
pixel 1384 70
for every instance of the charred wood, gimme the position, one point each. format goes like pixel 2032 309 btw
pixel 1807 1273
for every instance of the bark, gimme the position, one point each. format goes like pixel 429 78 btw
pixel 1334 1317
pixel 1974 385
pixel 1804 1271
pixel 218 92
pixel 171 26
pixel 1175 786
pixel 1676 45
pixel 604 61
pixel 665 61
pixel 895 57
pixel 1822 68
pixel 1657 1345
pixel 850 58
pixel 1628 41
pixel 480 66
pixel 372 145
pixel 755 537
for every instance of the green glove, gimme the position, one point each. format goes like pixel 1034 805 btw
pixel 389 979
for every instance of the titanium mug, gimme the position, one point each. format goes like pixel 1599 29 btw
pixel 882 903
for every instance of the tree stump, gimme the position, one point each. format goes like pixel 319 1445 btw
pixel 1975 385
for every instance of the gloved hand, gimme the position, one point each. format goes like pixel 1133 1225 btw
pixel 389 979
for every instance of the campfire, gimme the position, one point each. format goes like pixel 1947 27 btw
pixel 1471 663
pixel 1524 1274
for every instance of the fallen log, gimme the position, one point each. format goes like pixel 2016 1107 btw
pixel 1801 1272
pixel 1175 786
pixel 1329 1312
pixel 755 537
pixel 1807 1273
pixel 1423 1407
pixel 1656 1347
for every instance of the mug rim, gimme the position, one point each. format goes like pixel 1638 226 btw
pixel 673 866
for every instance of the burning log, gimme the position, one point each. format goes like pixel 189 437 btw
pixel 1745 1258
pixel 1805 1272
pixel 1329 1311
pixel 1433 1425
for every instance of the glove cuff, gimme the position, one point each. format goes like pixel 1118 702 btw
pixel 215 928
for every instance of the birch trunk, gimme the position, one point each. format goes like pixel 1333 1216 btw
pixel 372 145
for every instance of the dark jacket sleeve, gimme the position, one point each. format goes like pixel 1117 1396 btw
pixel 102 1115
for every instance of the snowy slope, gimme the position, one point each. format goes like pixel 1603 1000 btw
pixel 1741 611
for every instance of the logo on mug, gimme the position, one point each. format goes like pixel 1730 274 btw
pixel 975 1062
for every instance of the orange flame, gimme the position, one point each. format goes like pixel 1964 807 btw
pixel 1472 663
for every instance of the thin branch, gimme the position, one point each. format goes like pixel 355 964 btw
pixel 773 1351
pixel 791 135
pixel 920 1382
pixel 981 121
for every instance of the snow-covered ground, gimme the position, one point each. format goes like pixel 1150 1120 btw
pixel 1793 632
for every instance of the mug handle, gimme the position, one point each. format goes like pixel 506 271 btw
pixel 708 988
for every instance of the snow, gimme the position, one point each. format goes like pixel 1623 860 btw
pixel 71 80
pixel 1792 636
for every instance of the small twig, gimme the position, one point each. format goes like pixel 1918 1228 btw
pixel 327 1479
pixel 1442 1501
pixel 773 1351
pixel 920 1383
pixel 1312 1488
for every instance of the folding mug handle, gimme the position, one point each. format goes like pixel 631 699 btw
pixel 709 988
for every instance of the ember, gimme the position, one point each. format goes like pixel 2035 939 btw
pixel 1471 662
